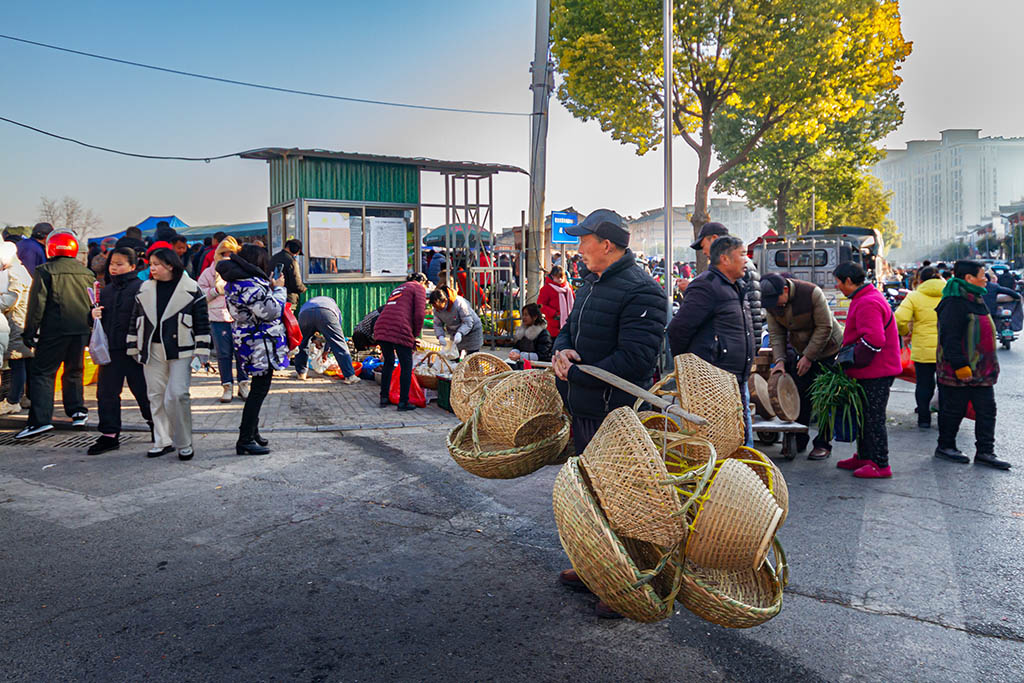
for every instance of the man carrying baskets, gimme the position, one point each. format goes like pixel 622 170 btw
pixel 616 324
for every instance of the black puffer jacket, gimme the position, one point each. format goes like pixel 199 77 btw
pixel 118 301
pixel 617 324
pixel 714 323
pixel 752 286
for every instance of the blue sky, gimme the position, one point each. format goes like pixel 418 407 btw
pixel 457 53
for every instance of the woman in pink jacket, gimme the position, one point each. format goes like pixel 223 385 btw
pixel 872 333
pixel 556 299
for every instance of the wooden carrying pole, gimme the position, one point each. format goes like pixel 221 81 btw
pixel 658 402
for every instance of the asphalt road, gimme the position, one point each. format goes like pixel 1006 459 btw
pixel 372 556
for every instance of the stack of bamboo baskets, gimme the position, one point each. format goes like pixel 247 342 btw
pixel 657 509
pixel 513 422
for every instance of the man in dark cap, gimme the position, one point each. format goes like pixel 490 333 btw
pixel 31 251
pixel 616 324
pixel 803 334
pixel 750 281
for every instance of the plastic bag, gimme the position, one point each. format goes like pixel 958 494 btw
pixel 291 327
pixel 416 396
pixel 99 349
pixel 908 373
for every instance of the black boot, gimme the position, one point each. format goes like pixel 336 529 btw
pixel 405 405
pixel 250 448
pixel 104 444
pixel 991 460
pixel 952 455
pixel 260 440
pixel 384 402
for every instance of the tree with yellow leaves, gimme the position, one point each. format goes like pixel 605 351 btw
pixel 785 67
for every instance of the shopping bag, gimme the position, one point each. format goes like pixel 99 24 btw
pixel 416 396
pixel 970 411
pixel 291 327
pixel 99 349
pixel 908 373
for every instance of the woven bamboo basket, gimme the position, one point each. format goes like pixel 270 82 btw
pixel 496 461
pixel 429 380
pixel 770 475
pixel 740 599
pixel 714 394
pixel 629 476
pixel 736 522
pixel 469 378
pixel 522 408
pixel 658 421
pixel 603 561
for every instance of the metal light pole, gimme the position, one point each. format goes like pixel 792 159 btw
pixel 669 276
pixel 538 149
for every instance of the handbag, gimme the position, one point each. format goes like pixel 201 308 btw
pixel 291 327
pixel 859 354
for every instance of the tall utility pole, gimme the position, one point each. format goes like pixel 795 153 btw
pixel 669 276
pixel 541 85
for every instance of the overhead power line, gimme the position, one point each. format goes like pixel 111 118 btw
pixel 263 86
pixel 118 151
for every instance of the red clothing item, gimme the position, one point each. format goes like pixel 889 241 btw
pixel 871 318
pixel 401 321
pixel 208 259
pixel 552 308
pixel 481 295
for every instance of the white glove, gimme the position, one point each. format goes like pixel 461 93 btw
pixel 440 340
pixel 457 338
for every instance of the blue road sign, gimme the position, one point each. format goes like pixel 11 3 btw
pixel 561 220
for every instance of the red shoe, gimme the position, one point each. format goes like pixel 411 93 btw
pixel 873 471
pixel 853 463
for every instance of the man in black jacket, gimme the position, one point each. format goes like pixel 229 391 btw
pixel 750 282
pixel 57 326
pixel 714 320
pixel 616 324
pixel 290 268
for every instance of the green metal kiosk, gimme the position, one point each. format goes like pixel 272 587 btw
pixel 358 217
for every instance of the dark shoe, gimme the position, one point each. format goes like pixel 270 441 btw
pixel 157 452
pixel 152 439
pixel 260 440
pixel 104 444
pixel 406 406
pixel 819 453
pixel 603 611
pixel 991 461
pixel 952 455
pixel 385 402
pixel 924 425
pixel 186 453
pixel 251 448
pixel 571 579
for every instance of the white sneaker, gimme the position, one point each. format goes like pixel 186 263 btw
pixel 79 418
pixel 243 389
pixel 9 408
pixel 351 379
pixel 301 376
pixel 225 397
pixel 32 431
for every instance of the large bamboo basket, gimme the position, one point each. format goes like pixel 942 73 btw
pixel 736 522
pixel 469 378
pixel 629 477
pixel 714 394
pixel 740 599
pixel 603 561
pixel 522 408
pixel 497 461
pixel 770 475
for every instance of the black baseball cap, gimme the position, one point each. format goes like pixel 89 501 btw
pixel 772 285
pixel 604 223
pixel 707 230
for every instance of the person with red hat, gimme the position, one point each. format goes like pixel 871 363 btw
pixel 57 326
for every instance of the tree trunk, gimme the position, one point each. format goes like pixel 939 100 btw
pixel 700 196
pixel 782 209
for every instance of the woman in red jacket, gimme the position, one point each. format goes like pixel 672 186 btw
pixel 396 330
pixel 872 332
pixel 555 300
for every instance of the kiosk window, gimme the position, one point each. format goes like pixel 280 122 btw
pixel 801 258
pixel 335 239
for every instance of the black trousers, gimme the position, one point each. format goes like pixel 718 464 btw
pixel 803 385
pixel 388 353
pixel 952 409
pixel 259 387
pixel 109 383
pixel 873 439
pixel 50 353
pixel 923 391
pixel 583 430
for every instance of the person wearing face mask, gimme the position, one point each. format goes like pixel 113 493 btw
pixel 454 318
pixel 114 312
pixel 714 320
pixel 170 325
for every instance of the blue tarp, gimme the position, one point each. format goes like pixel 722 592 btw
pixel 148 227
pixel 196 233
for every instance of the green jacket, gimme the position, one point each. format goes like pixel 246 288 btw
pixel 58 301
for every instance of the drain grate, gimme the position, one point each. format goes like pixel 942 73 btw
pixel 56 440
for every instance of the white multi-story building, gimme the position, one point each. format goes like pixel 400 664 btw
pixel 647 231
pixel 941 187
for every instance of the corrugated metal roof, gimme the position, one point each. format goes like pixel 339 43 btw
pixel 423 163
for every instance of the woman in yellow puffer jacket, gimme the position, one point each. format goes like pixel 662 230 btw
pixel 916 317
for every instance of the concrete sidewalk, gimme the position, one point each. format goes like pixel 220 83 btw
pixel 318 404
